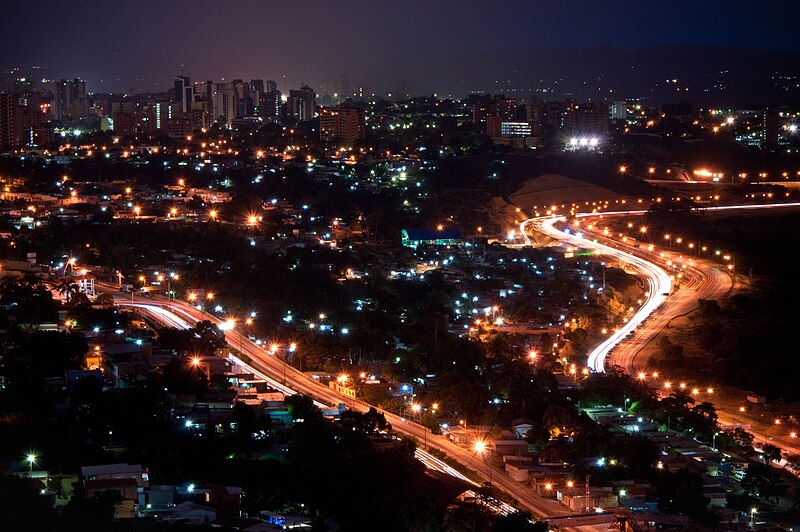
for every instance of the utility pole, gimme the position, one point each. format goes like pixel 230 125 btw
pixel 604 276
pixel 587 494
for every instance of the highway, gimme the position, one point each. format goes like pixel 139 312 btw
pixel 286 378
pixel 658 282
pixel 701 279
pixel 704 280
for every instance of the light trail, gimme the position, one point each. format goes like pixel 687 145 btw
pixel 659 282
pixel 272 368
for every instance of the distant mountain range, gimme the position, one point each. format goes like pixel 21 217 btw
pixel 713 76
pixel 718 76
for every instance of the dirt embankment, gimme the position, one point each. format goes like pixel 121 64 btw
pixel 550 189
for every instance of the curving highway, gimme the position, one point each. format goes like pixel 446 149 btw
pixel 704 280
pixel 658 281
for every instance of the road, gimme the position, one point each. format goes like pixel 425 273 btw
pixel 659 284
pixel 286 378
pixel 625 343
pixel 701 279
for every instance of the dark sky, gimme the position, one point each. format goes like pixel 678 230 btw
pixel 141 44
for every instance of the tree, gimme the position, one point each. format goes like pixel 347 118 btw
pixel 681 492
pixel 419 515
pixel 668 350
pixel 90 514
pixel 466 517
pixel 181 376
pixel 105 299
pixel 740 437
pixel 68 288
pixel 558 420
pixel 761 480
pixel 518 522
pixel 771 453
pixel 22 507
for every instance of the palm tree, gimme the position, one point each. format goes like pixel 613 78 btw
pixel 67 287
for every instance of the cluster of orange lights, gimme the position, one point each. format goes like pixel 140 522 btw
pixel 696 391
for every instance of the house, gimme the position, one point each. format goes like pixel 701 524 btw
pixel 575 498
pixel 521 430
pixel 718 496
pixel 127 488
pixel 190 513
pixel 413 238
pixel 116 472
pixel 128 480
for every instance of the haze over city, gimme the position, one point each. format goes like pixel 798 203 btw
pixel 401 266
pixel 448 47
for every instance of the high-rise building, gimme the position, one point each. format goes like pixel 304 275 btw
pixel 28 117
pixel 224 102
pixel 184 93
pixel 587 118
pixel 533 115
pixel 204 91
pixel 499 105
pixel 618 110
pixel 343 123
pixel 7 126
pixel 553 115
pixel 21 116
pixel 69 101
pixel 769 130
pixel 179 126
pixel 257 85
pixel 124 123
pixel 301 103
pixel 269 105
pixel 272 85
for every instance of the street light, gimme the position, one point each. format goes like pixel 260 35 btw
pixel 481 448
pixel 31 459
pixel 466 433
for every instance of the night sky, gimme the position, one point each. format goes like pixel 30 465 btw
pixel 141 44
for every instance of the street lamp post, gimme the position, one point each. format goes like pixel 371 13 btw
pixel 31 459
pixel 481 449
pixel 342 379
pixel 417 408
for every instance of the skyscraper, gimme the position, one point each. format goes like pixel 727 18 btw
pixel 301 103
pixel 499 105
pixel 7 126
pixel 69 102
pixel 184 93
pixel 224 102
pixel 587 118
pixel 269 105
pixel 257 85
pixel 343 123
